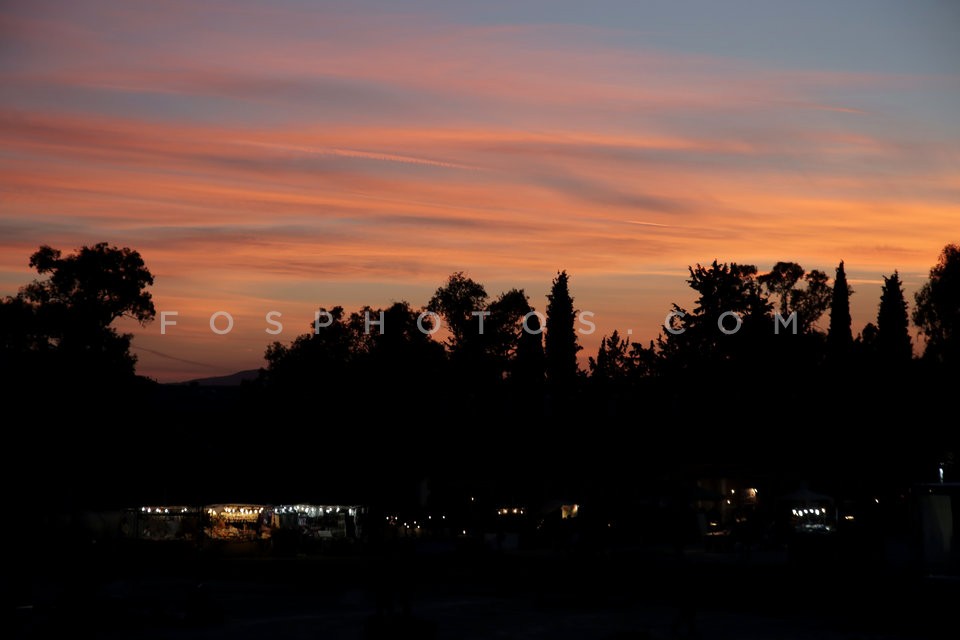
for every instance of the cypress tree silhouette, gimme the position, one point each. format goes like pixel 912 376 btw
pixel 561 342
pixel 893 337
pixel 840 336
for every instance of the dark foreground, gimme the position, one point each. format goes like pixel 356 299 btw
pixel 426 592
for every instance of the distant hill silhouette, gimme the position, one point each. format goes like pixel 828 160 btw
pixel 232 380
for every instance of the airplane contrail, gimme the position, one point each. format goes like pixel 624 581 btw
pixel 354 153
pixel 646 224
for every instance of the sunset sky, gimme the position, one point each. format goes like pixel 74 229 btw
pixel 287 155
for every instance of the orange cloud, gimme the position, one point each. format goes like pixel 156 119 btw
pixel 361 160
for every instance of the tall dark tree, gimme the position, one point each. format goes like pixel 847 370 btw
pixel 319 361
pixel 646 360
pixel 731 296
pixel 396 345
pixel 98 284
pixel 68 315
pixel 781 281
pixel 528 373
pixel 529 367
pixel 503 330
pixel 458 302
pixel 811 301
pixel 893 327
pixel 561 345
pixel 614 362
pixel 937 310
pixel 808 303
pixel 343 357
pixel 840 335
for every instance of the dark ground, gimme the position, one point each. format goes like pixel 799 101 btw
pixel 421 593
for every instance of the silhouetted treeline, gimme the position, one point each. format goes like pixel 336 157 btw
pixel 478 389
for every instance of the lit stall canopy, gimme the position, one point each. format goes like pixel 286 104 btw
pixel 235 521
pixel 809 512
pixel 317 520
pixel 161 522
pixel 568 511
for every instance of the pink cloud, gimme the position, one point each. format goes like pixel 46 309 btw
pixel 396 150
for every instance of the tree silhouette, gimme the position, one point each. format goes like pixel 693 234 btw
pixel 893 336
pixel 503 330
pixel 725 291
pixel 937 310
pixel 840 335
pixel 529 368
pixel 458 302
pixel 399 346
pixel 344 358
pixel 484 337
pixel 319 361
pixel 462 305
pixel 20 333
pixel 65 319
pixel 809 303
pixel 781 281
pixel 614 361
pixel 561 344
pixel 868 337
